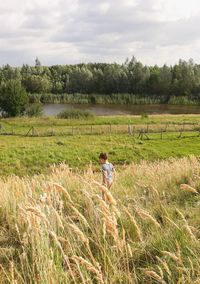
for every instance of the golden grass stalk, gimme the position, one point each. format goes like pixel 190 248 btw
pixel 38 213
pixel 165 265
pixel 129 250
pixel 111 227
pixel 104 206
pixel 186 226
pixel 133 221
pixel 13 280
pixel 58 217
pixel 192 267
pixel 90 267
pixel 80 215
pixel 188 229
pixel 171 255
pixel 197 176
pixel 172 222
pixel 108 196
pixel 181 215
pixel 79 233
pixel 152 274
pixel 146 216
pixel 60 189
pixel 160 271
pixel 156 191
pixel 55 238
pixel 178 252
pixel 188 188
pixel 109 218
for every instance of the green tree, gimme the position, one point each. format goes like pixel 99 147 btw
pixel 80 80
pixel 37 84
pixel 37 62
pixel 138 76
pixel 13 98
pixel 183 78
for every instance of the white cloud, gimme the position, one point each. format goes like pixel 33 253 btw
pixel 70 31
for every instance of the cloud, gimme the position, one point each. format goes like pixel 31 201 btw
pixel 72 31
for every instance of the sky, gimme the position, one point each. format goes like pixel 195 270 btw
pixel 73 31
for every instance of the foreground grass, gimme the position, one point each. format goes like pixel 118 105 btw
pixel 33 155
pixel 57 228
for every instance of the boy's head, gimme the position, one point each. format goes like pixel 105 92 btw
pixel 103 158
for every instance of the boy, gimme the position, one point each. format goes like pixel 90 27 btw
pixel 108 170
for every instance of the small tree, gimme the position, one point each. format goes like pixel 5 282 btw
pixel 13 98
pixel 37 62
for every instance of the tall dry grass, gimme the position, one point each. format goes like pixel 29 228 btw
pixel 58 229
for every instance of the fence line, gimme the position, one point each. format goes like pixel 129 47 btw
pixel 138 131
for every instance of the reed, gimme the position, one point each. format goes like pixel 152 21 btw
pixel 59 229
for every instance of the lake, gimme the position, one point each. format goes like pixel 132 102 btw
pixel 54 109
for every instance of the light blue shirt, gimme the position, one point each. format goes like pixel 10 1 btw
pixel 108 168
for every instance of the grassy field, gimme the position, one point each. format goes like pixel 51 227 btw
pixel 26 122
pixel 22 155
pixel 56 228
pixel 32 155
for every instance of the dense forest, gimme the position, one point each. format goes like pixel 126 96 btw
pixel 130 82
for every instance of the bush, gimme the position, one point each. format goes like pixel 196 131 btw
pixel 75 114
pixel 34 110
pixel 13 98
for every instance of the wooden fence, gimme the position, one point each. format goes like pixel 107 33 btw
pixel 137 131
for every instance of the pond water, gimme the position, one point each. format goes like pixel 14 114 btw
pixel 54 109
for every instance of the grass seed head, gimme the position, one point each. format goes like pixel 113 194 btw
pixel 188 188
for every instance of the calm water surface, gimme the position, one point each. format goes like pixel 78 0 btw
pixel 54 109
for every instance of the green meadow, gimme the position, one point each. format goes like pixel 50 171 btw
pixel 25 155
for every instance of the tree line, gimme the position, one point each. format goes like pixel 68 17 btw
pixel 130 82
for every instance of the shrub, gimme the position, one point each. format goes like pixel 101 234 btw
pixel 34 110
pixel 13 98
pixel 75 114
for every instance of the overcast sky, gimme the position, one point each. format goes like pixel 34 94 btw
pixel 73 31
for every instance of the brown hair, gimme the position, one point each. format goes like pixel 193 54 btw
pixel 103 156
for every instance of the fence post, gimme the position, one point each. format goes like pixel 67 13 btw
pixel 110 129
pixel 161 134
pixel 141 133
pixel 181 132
pixel 147 128
pixel 133 130
pixel 72 130
pixel 91 129
pixel 130 130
